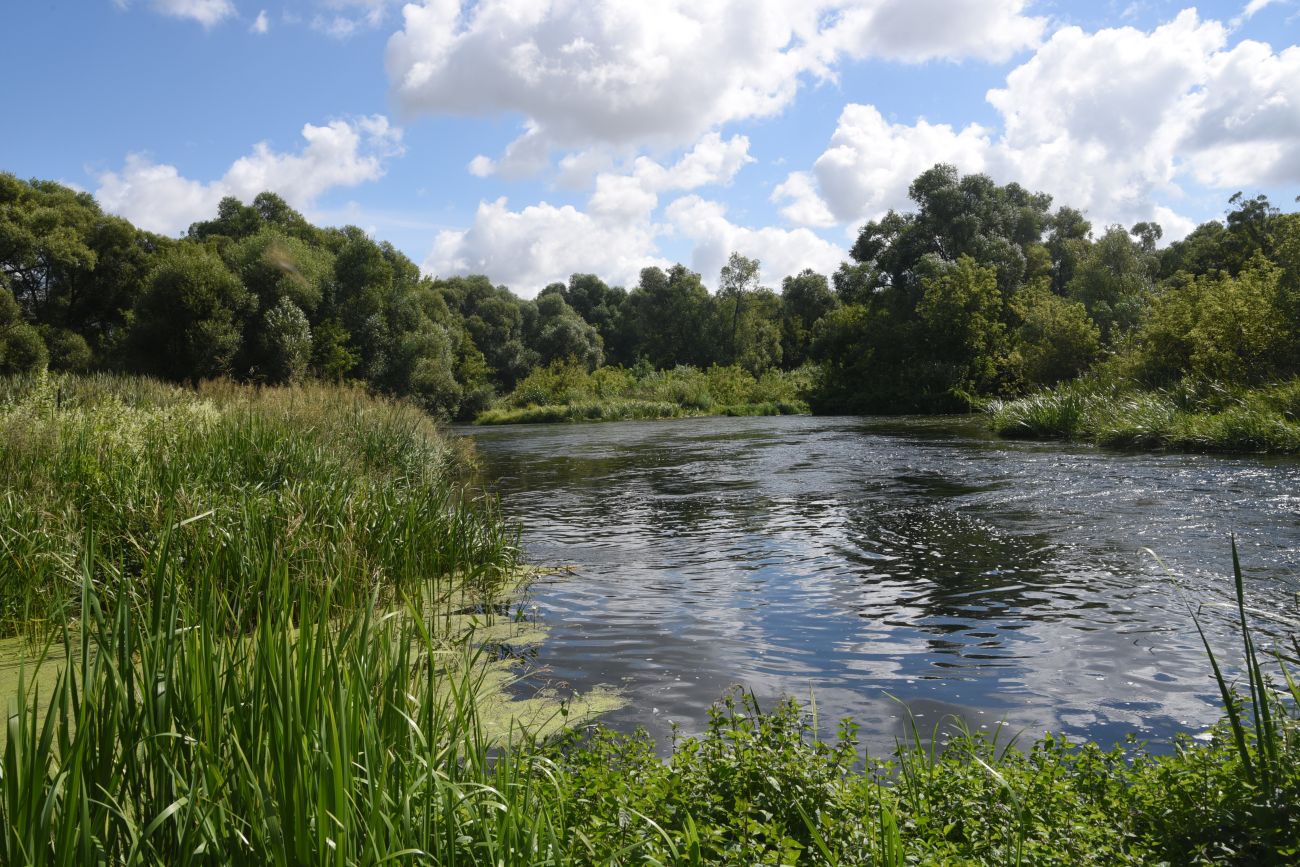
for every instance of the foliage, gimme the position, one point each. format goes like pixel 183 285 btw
pixel 359 483
pixel 187 321
pixel 565 391
pixel 21 347
pixel 1217 327
pixel 981 292
pixel 1113 281
pixel 1189 416
pixel 1055 339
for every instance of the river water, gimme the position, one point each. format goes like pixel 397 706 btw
pixel 881 566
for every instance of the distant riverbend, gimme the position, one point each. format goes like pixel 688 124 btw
pixel 852 560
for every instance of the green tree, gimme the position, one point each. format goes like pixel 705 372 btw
pixel 1218 327
pixel 961 313
pixel 666 317
pixel 1114 281
pixel 736 282
pixel 21 347
pixel 187 322
pixel 805 298
pixel 287 342
pixel 1055 339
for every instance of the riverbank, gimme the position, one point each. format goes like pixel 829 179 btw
pixel 568 392
pixel 1205 418
pixel 274 618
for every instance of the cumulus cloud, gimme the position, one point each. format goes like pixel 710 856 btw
pixel 781 251
pixel 542 243
pixel 616 235
pixel 1113 121
pixel 346 17
pixel 206 12
pixel 340 154
pixel 870 163
pixel 662 74
pixel 261 24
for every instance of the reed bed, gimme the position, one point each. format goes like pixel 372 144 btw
pixel 1195 417
pixel 350 491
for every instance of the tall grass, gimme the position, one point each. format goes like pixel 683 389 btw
pixel 1201 417
pixel 350 491
pixel 176 734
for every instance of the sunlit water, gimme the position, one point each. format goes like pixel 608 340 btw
pixel 868 562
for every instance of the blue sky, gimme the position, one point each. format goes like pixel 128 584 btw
pixel 530 139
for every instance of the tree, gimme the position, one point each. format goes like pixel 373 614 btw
pixel 71 267
pixel 563 334
pixel 1218 327
pixel 1114 281
pixel 21 347
pixel 737 280
pixel 599 305
pixel 1067 243
pixel 961 311
pixel 805 298
pixel 187 322
pixel 286 342
pixel 666 316
pixel 1055 340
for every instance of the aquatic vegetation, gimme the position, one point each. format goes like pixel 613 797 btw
pixel 1203 417
pixel 348 489
pixel 566 392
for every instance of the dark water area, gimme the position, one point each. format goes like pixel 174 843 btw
pixel 868 562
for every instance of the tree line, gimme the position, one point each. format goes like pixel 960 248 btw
pixel 980 290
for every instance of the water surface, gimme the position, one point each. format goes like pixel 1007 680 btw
pixel 868 562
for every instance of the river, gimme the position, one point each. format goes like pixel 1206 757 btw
pixel 883 567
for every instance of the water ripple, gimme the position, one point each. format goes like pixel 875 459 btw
pixel 859 560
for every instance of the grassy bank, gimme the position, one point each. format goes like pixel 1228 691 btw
pixel 1190 417
pixel 344 489
pixel 263 617
pixel 567 392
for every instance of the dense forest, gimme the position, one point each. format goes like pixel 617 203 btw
pixel 981 291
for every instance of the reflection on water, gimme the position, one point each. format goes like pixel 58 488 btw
pixel 859 561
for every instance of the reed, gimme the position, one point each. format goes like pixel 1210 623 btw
pixel 1200 417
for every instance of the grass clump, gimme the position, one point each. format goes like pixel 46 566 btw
pixel 566 392
pixel 1190 416
pixel 349 490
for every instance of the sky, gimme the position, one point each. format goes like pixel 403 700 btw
pixel 532 139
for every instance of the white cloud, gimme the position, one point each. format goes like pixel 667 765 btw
pixel 806 206
pixel 662 74
pixel 1247 118
pixel 712 161
pixel 542 243
pixel 346 17
pixel 481 166
pixel 206 12
pixel 261 24
pixel 920 30
pixel 616 235
pixel 870 163
pixel 1253 7
pixel 1116 122
pixel 781 251
pixel 340 154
